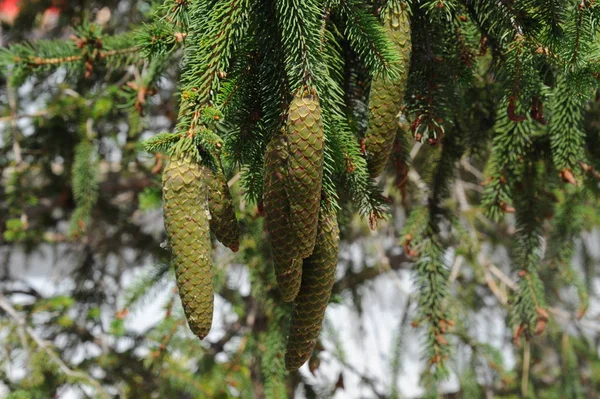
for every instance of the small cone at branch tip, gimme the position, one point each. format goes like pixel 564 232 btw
pixel 304 136
pixel 288 264
pixel 386 96
pixel 223 222
pixel 186 215
pixel 318 276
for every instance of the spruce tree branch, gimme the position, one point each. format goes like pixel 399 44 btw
pixel 40 61
pixel 576 46
pixel 116 52
pixel 355 22
pixel 37 114
pixel 48 347
pixel 12 103
pixel 560 313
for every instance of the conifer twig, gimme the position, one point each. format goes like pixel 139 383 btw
pixel 12 102
pixel 47 347
pixel 563 314
pixel 40 61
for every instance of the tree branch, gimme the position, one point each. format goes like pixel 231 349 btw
pixel 48 347
pixel 351 280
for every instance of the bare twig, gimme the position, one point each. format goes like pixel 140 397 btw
pixel 502 277
pixel 471 169
pixel 352 280
pixel 455 271
pixel 526 364
pixel 371 382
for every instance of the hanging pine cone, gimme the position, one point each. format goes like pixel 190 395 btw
pixel 223 222
pixel 318 276
pixel 187 225
pixel 386 96
pixel 305 140
pixel 288 264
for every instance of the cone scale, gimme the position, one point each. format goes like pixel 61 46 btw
pixel 387 96
pixel 288 264
pixel 318 276
pixel 305 143
pixel 223 222
pixel 187 217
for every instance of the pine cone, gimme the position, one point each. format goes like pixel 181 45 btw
pixel 186 221
pixel 387 96
pixel 223 222
pixel 318 276
pixel 288 264
pixel 305 140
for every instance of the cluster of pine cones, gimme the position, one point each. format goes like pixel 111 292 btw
pixel 303 229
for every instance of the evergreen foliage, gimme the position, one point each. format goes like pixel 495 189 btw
pixel 290 110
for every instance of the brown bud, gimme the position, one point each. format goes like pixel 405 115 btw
pixel 540 326
pixel 511 111
pixel 409 251
pixel 542 313
pixel 373 221
pixel 567 176
pixel 363 148
pixel 435 359
pixel 581 312
pixel 506 208
pixel 486 182
pixel 441 340
pixel 537 110
pixel 517 335
pixel 121 314
pixel 483 45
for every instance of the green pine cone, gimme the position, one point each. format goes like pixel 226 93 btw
pixel 288 265
pixel 386 97
pixel 318 276
pixel 187 225
pixel 223 222
pixel 305 140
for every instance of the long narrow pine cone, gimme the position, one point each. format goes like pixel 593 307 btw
pixel 187 225
pixel 305 140
pixel 223 222
pixel 318 276
pixel 386 96
pixel 288 264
